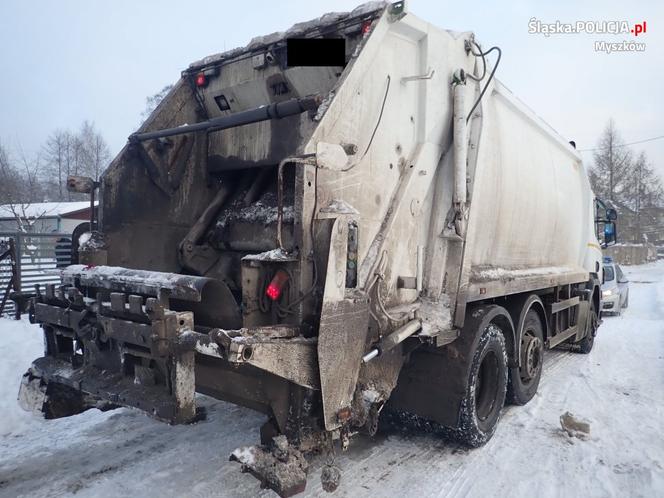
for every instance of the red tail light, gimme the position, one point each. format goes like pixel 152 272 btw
pixel 366 27
pixel 201 80
pixel 276 286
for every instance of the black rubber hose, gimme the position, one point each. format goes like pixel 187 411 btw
pixel 472 77
pixel 486 85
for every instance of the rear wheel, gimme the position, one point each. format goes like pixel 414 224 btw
pixel 487 386
pixel 524 379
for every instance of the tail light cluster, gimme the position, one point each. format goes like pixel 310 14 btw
pixel 202 78
pixel 276 286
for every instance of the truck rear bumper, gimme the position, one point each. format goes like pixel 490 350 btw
pixel 133 350
pixel 89 387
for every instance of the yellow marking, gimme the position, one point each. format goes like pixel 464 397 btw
pixel 592 244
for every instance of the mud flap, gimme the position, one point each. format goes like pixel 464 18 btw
pixel 342 333
pixel 341 343
pixel 278 466
pixel 434 382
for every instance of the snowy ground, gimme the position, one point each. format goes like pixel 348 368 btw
pixel 619 388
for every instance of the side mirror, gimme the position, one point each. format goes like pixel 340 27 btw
pixel 609 233
pixel 81 184
pixel 611 214
pixel 331 156
pixel 84 185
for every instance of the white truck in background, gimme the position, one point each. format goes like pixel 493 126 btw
pixel 325 243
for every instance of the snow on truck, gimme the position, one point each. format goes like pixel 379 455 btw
pixel 350 218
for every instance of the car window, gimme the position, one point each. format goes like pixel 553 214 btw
pixel 619 273
pixel 608 273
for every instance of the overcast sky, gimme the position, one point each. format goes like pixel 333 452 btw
pixel 67 61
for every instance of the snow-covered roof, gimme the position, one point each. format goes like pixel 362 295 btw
pixel 296 30
pixel 43 209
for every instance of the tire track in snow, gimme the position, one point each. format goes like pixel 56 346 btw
pixel 460 478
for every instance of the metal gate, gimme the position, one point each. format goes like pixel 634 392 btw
pixel 38 257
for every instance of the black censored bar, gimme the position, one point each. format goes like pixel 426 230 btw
pixel 316 52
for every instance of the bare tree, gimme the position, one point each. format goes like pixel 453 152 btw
pixel 20 187
pixel 153 101
pixel 645 190
pixel 63 156
pixel 66 153
pixel 613 165
pixel 31 167
pixel 57 155
pixel 629 182
pixel 94 150
pixel 29 179
pixel 10 178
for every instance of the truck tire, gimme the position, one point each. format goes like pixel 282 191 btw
pixel 487 387
pixel 586 344
pixel 524 380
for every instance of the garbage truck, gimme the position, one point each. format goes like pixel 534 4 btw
pixel 344 220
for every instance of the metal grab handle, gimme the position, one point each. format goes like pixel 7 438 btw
pixel 427 76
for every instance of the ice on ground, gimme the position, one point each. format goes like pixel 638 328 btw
pixel 618 389
pixel 574 426
pixel 244 455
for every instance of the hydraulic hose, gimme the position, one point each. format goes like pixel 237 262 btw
pixel 493 72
